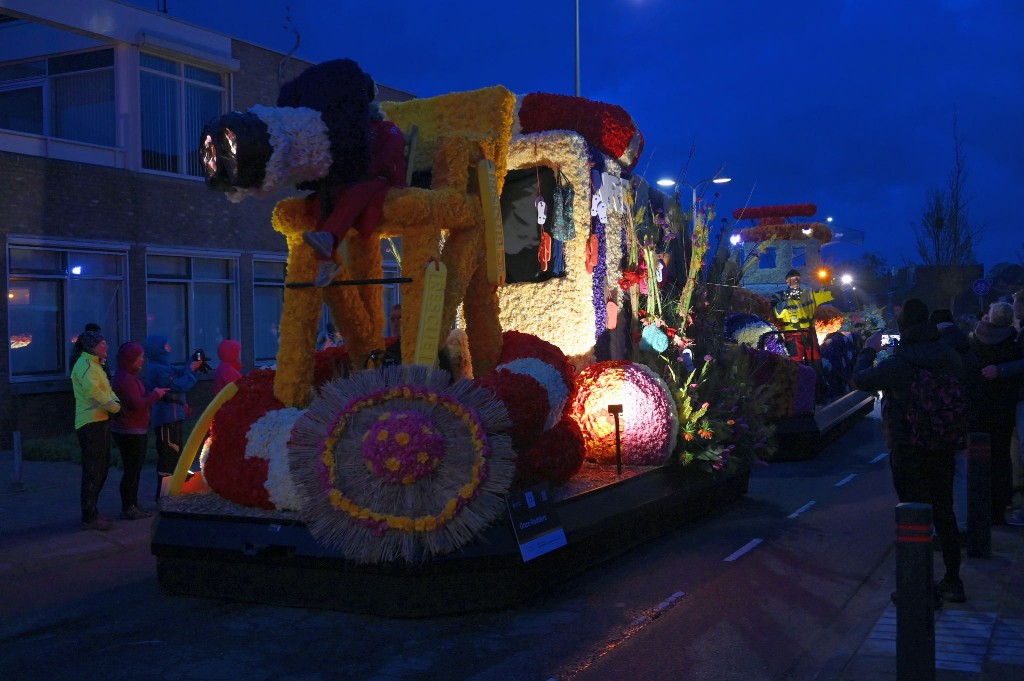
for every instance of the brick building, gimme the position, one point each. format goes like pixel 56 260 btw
pixel 105 216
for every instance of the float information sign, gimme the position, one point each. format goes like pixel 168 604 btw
pixel 535 521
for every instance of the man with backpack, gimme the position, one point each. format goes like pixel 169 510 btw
pixel 924 418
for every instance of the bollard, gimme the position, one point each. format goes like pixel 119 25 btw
pixel 979 495
pixel 19 482
pixel 915 594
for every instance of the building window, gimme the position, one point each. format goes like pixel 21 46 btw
pixel 69 97
pixel 799 257
pixel 177 100
pixel 268 301
pixel 52 293
pixel 767 259
pixel 192 301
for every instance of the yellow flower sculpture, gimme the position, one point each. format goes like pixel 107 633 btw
pixel 301 312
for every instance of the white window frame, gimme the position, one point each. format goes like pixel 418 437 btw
pixel 67 247
pixel 189 281
pixel 182 82
pixel 45 82
pixel 264 283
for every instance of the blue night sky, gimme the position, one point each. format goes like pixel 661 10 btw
pixel 847 104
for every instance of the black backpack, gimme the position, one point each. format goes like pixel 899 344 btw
pixel 937 412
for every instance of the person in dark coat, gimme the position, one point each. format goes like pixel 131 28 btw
pixel 994 341
pixel 961 342
pixel 919 475
pixel 167 417
pixel 1015 368
pixel 130 427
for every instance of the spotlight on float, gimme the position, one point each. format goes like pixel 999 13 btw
pixel 615 410
pixel 846 279
pixel 735 240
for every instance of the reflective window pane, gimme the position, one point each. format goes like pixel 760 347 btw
pixel 83 107
pixel 34 312
pixel 160 128
pixel 167 266
pixel 26 69
pixel 211 268
pixel 202 75
pixel 166 315
pixel 22 110
pixel 268 302
pixel 99 302
pixel 212 316
pixel 268 271
pixel 148 61
pixel 36 261
pixel 95 264
pixel 81 61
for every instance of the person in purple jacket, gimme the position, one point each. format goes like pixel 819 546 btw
pixel 131 426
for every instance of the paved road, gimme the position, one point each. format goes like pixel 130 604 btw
pixel 748 592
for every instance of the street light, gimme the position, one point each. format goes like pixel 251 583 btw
pixel 717 178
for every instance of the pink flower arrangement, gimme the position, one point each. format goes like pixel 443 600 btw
pixel 402 446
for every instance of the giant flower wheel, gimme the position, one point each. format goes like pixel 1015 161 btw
pixel 400 465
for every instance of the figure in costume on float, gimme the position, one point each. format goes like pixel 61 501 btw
pixel 358 204
pixel 794 308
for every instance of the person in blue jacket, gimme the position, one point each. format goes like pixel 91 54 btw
pixel 167 416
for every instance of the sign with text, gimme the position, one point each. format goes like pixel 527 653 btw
pixel 535 521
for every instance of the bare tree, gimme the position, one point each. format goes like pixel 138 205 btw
pixel 289 25
pixel 946 235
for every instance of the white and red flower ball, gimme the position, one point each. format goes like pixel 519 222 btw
pixel 534 380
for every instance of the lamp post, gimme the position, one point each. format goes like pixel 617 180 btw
pixel 717 178
pixel 577 48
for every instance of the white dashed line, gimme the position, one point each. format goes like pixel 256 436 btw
pixel 746 548
pixel 879 457
pixel 845 480
pixel 801 509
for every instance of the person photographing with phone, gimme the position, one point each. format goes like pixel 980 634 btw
pixel 167 415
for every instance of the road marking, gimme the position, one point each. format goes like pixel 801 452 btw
pixel 746 547
pixel 801 509
pixel 879 457
pixel 845 480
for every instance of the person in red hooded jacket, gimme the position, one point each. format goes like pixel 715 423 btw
pixel 130 427
pixel 230 368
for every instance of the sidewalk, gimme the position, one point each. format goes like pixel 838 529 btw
pixel 982 639
pixel 40 523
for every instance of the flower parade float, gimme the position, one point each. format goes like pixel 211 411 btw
pixel 814 403
pixel 591 380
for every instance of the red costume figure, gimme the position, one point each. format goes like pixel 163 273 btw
pixel 359 204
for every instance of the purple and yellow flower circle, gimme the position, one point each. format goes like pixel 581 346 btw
pixel 402 446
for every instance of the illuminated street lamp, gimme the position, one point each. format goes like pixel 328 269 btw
pixel 717 178
pixel 846 279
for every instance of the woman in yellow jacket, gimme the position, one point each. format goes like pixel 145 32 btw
pixel 95 401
